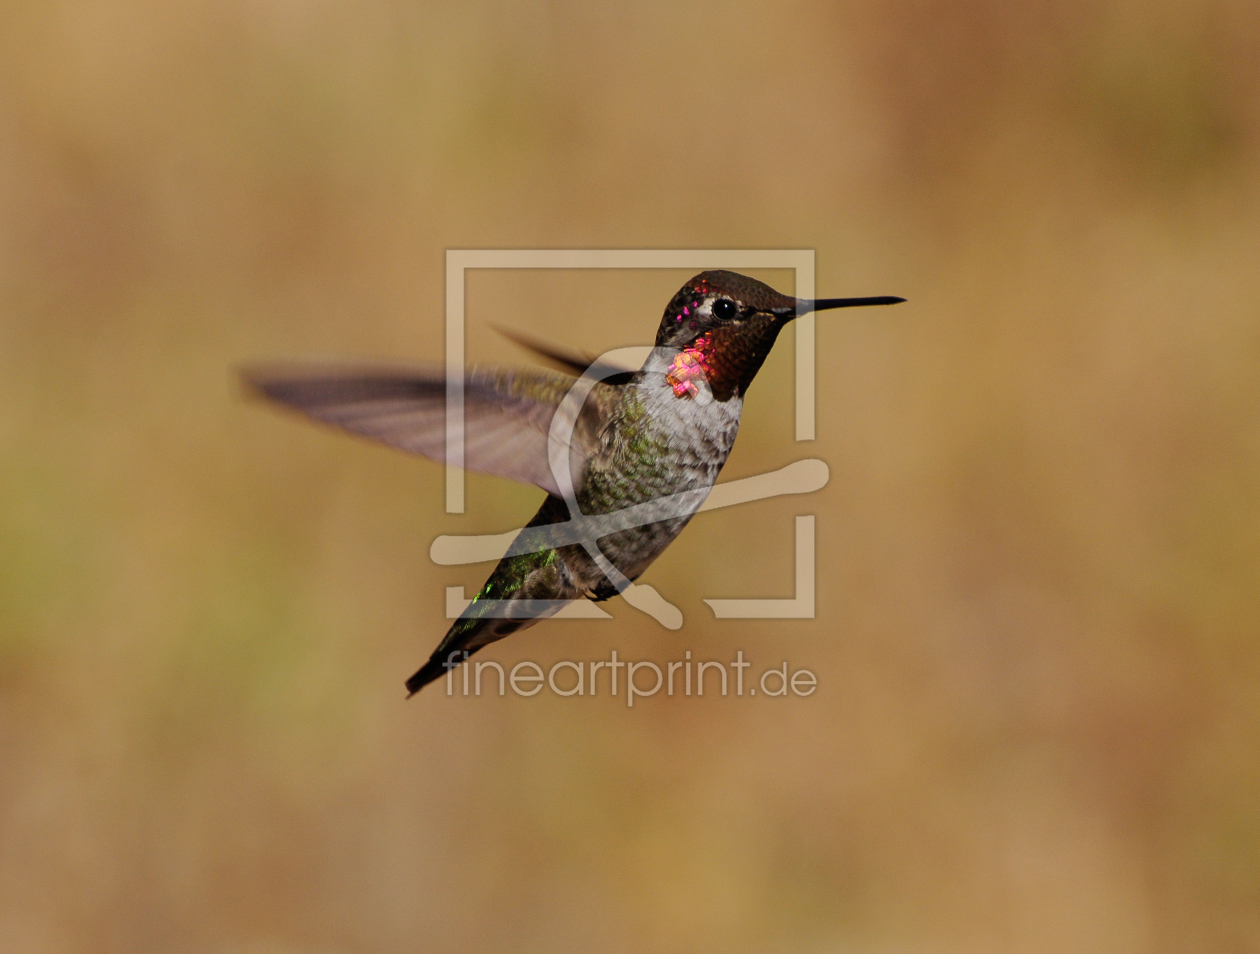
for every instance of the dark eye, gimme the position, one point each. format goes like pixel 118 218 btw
pixel 724 310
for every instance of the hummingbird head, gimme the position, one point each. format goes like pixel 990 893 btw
pixel 726 323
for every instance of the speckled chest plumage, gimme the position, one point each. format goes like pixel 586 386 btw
pixel 656 443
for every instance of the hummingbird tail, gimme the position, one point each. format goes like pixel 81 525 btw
pixel 528 576
pixel 459 643
pixel 433 669
pixel 466 636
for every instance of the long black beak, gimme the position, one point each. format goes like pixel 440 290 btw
pixel 805 305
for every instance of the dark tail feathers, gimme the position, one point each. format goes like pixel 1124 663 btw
pixel 435 668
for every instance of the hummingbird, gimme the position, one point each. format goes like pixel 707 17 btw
pixel 662 432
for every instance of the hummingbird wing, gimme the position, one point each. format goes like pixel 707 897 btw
pixel 574 361
pixel 507 413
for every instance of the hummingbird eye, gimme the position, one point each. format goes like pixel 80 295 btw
pixel 724 309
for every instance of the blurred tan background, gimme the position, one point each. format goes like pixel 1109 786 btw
pixel 1038 724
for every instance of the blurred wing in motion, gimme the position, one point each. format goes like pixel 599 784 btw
pixel 573 361
pixel 507 413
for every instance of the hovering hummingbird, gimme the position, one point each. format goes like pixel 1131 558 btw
pixel 663 431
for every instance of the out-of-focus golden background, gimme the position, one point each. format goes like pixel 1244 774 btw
pixel 1037 726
